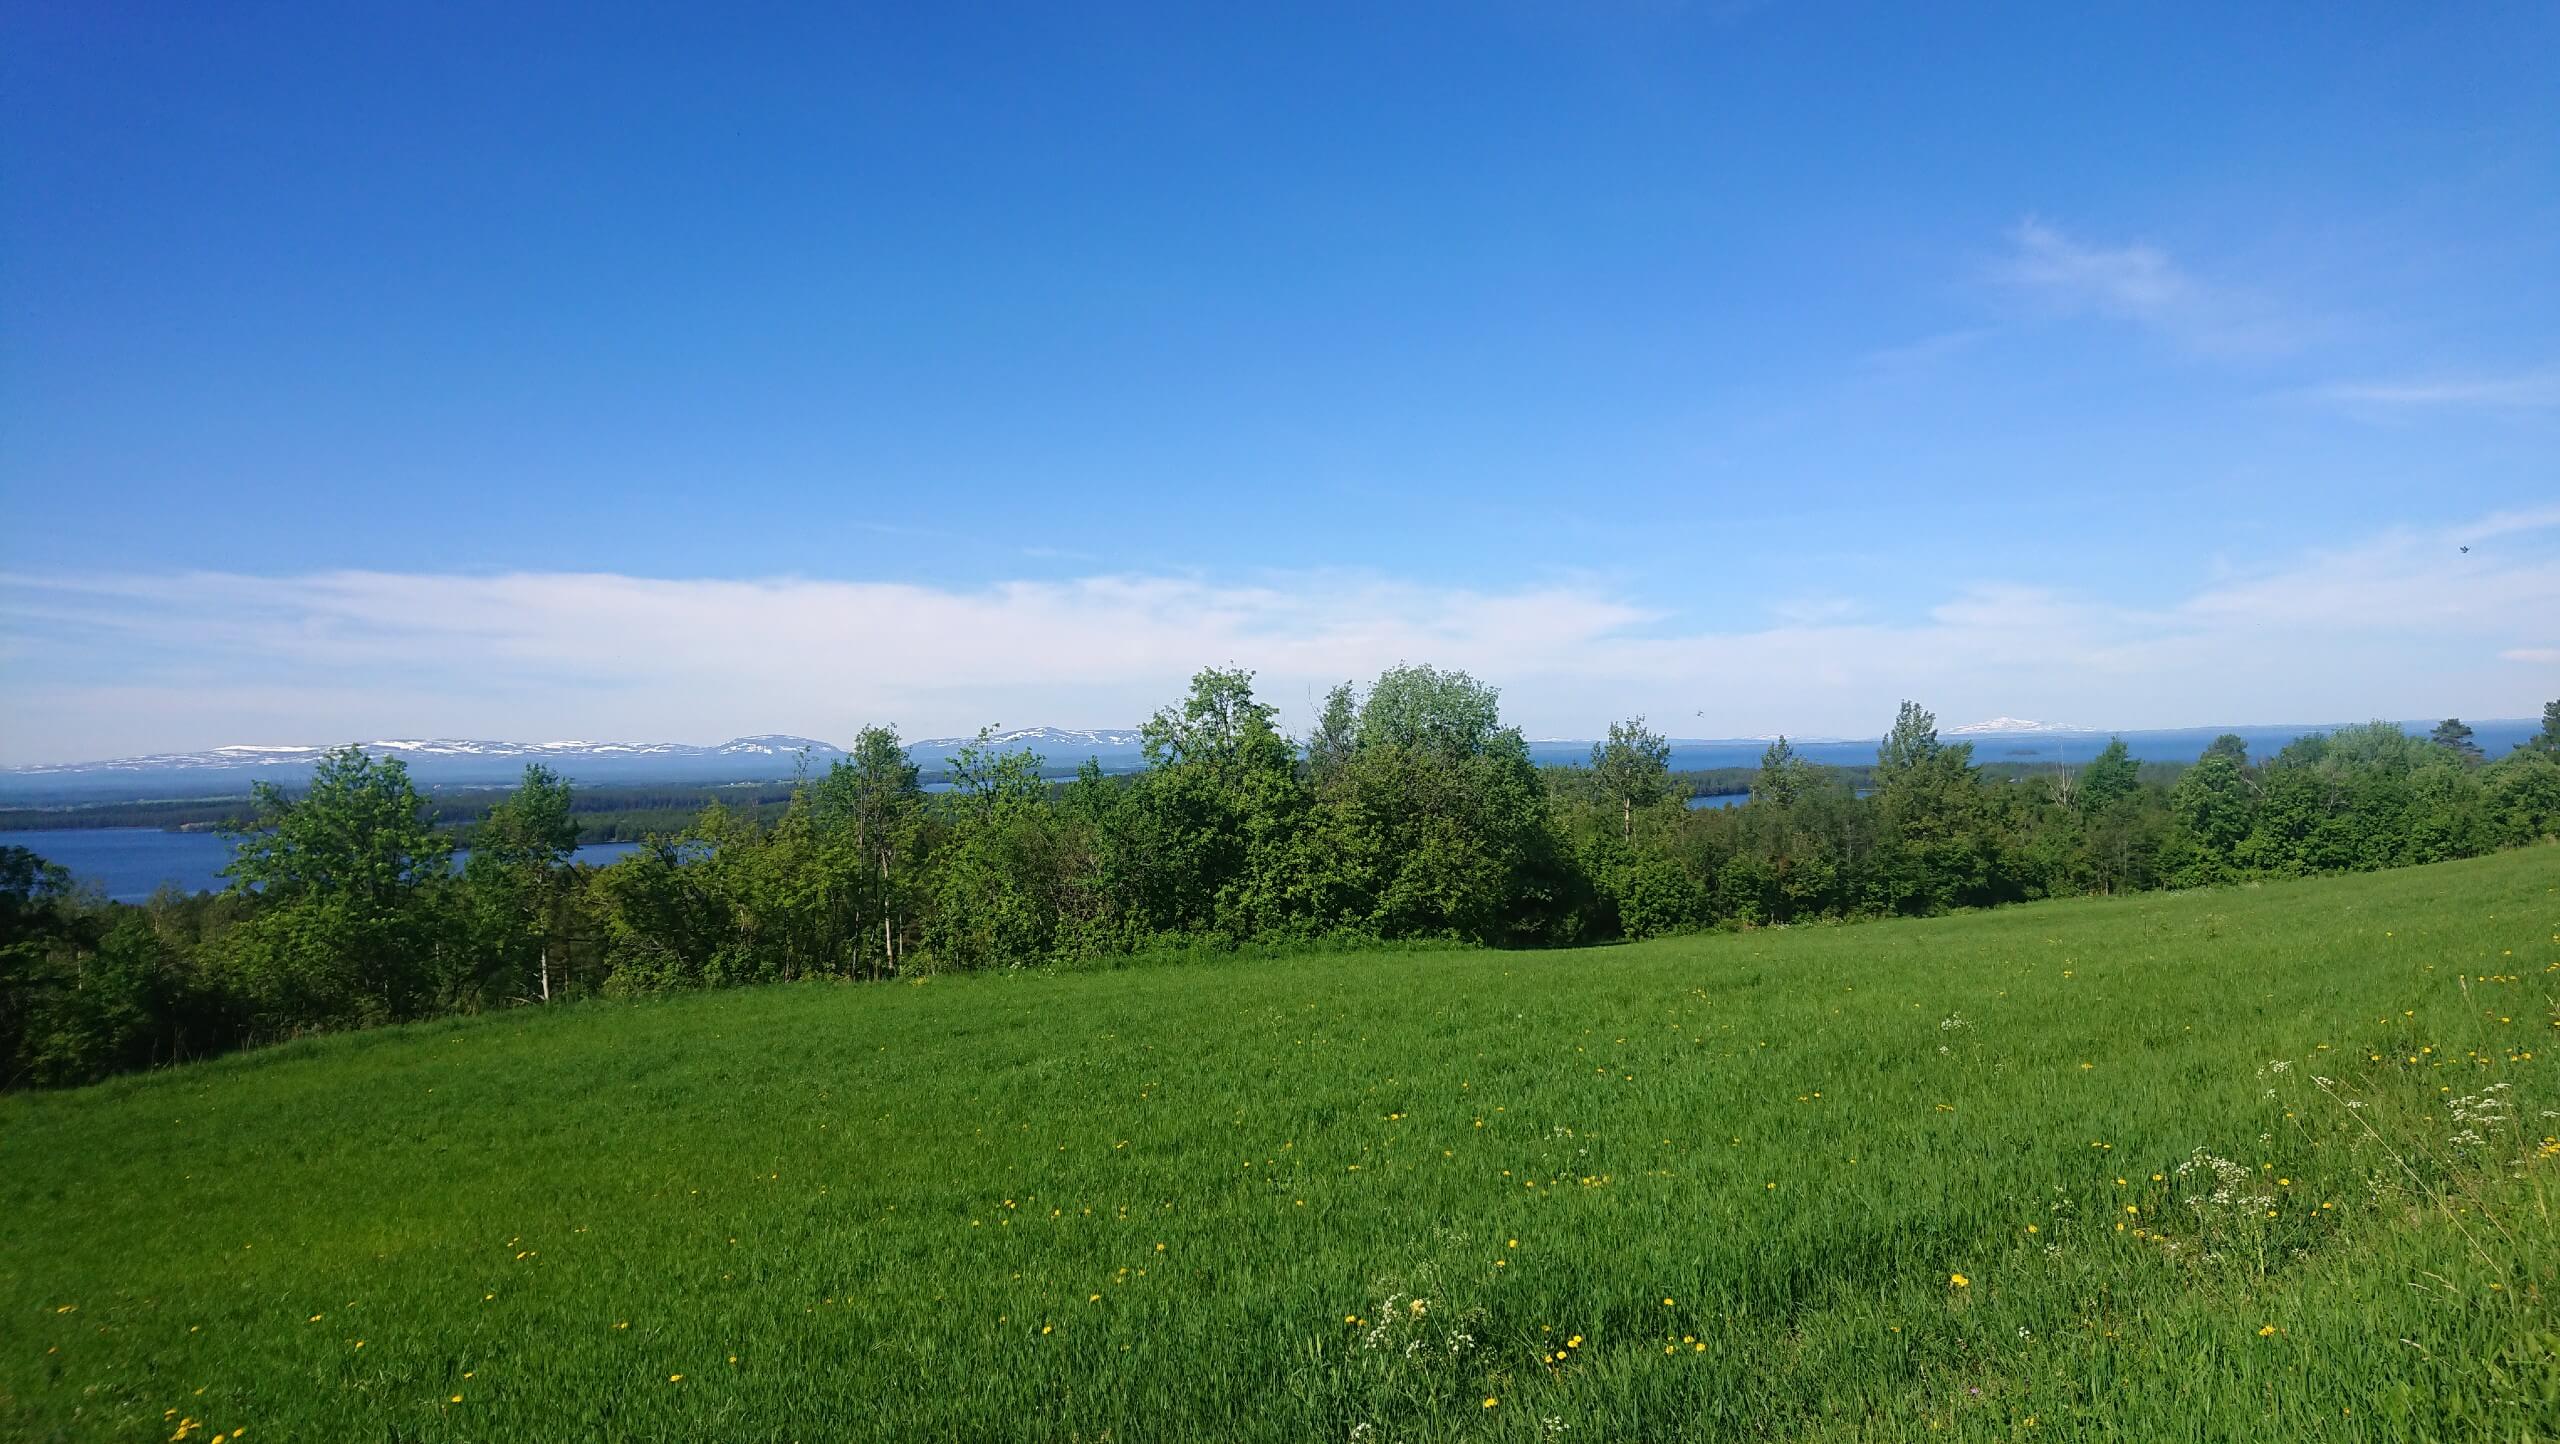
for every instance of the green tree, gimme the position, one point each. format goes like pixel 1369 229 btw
pixel 2108 779
pixel 1911 745
pixel 2454 735
pixel 1438 825
pixel 1425 709
pixel 665 925
pixel 37 946
pixel 517 877
pixel 2231 745
pixel 348 880
pixel 1938 848
pixel 2524 795
pixel 2211 811
pixel 2548 739
pixel 998 885
pixel 1329 744
pixel 1227 805
pixel 870 809
pixel 1633 769
pixel 1784 776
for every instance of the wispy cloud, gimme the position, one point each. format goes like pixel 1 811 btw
pixel 1813 610
pixel 2534 390
pixel 2401 623
pixel 2140 284
pixel 1925 353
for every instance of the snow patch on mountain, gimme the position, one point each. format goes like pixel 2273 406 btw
pixel 240 756
pixel 1110 737
pixel 2011 727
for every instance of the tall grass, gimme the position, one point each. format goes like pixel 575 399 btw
pixel 2269 1163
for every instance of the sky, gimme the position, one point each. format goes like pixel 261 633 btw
pixel 683 372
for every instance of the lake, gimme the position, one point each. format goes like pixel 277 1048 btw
pixel 129 864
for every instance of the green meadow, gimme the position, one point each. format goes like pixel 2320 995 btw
pixel 2261 1163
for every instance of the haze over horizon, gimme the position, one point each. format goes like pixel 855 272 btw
pixel 462 373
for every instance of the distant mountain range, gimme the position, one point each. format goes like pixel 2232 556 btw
pixel 464 762
pixel 429 752
pixel 1074 740
pixel 2014 727
pixel 472 762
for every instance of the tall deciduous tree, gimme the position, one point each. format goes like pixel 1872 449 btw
pixel 1438 824
pixel 1633 769
pixel 1329 744
pixel 2231 745
pixel 871 809
pixel 2109 778
pixel 517 874
pixel 1784 776
pixel 347 876
pixel 1226 805
pixel 998 887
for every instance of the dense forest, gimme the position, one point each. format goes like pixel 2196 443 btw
pixel 1410 812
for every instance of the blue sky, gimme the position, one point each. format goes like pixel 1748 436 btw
pixel 677 373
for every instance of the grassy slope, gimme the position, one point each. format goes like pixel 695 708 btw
pixel 846 1212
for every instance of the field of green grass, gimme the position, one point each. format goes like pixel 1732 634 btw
pixel 2269 1163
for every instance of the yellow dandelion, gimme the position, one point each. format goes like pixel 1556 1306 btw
pixel 1959 1281
pixel 1490 1401
pixel 2267 1330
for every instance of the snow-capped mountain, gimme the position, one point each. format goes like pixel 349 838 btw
pixel 1060 748
pixel 423 750
pixel 1113 738
pixel 433 761
pixel 475 762
pixel 2011 727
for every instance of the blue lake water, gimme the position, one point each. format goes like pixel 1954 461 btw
pixel 129 864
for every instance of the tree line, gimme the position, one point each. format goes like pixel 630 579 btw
pixel 1410 811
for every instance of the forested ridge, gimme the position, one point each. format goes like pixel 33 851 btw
pixel 1409 812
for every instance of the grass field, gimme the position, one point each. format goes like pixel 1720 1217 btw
pixel 2059 1171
